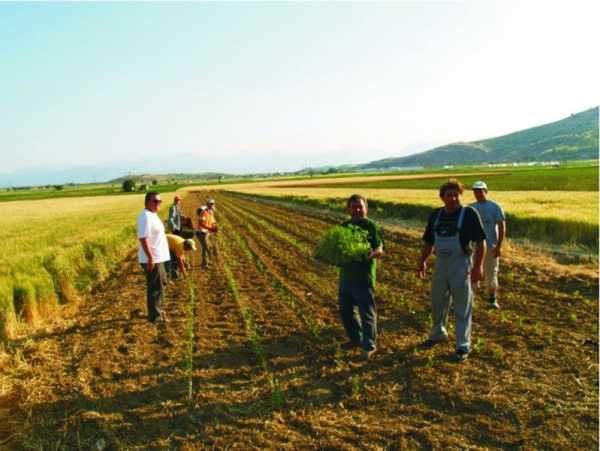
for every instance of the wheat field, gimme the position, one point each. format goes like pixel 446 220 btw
pixel 52 249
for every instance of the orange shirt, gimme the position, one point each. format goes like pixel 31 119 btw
pixel 206 221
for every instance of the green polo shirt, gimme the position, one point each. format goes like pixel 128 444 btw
pixel 362 274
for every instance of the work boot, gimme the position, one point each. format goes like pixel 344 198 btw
pixel 462 354
pixel 366 355
pixel 350 345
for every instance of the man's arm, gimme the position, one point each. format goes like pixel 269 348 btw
pixel 181 264
pixel 425 254
pixel 171 217
pixel 146 248
pixel 501 236
pixel 477 271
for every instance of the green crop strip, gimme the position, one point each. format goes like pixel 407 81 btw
pixel 254 337
pixel 189 343
pixel 289 298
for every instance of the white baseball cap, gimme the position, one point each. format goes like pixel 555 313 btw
pixel 480 185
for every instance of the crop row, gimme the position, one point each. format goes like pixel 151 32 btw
pixel 276 282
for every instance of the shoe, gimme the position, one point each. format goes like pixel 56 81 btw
pixel 160 320
pixel 350 345
pixel 366 355
pixel 494 303
pixel 462 354
pixel 429 343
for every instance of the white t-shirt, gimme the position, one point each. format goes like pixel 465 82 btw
pixel 491 214
pixel 150 226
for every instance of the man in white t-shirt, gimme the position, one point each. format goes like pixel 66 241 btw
pixel 153 252
pixel 494 224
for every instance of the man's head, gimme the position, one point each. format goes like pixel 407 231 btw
pixel 189 245
pixel 480 191
pixel 176 200
pixel 210 203
pixel 152 201
pixel 357 206
pixel 450 193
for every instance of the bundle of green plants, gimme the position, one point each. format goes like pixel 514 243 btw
pixel 341 245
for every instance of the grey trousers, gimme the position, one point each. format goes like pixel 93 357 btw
pixel 205 245
pixel 452 279
pixel 156 280
pixel 361 325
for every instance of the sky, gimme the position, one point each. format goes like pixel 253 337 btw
pixel 282 86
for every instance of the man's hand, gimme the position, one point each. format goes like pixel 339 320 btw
pixel 150 264
pixel 476 274
pixel 425 254
pixel 376 253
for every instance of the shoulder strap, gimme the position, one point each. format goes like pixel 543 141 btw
pixel 461 216
pixel 437 218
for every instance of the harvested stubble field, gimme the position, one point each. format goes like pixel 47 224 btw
pixel 259 344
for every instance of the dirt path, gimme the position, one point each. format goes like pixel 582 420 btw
pixel 258 344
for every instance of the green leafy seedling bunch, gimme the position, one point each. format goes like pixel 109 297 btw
pixel 341 245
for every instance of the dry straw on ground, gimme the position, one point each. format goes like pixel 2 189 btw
pixel 106 374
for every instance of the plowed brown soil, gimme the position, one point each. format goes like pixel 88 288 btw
pixel 267 372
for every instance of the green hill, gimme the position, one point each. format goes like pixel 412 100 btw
pixel 572 138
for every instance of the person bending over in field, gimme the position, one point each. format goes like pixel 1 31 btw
pixel 450 232
pixel 494 224
pixel 153 252
pixel 175 216
pixel 207 225
pixel 177 248
pixel 357 283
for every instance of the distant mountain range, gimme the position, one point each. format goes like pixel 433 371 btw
pixel 572 138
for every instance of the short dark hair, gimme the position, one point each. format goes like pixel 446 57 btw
pixel 149 194
pixel 356 198
pixel 451 184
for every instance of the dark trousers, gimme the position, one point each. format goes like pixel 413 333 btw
pixel 361 325
pixel 172 267
pixel 156 280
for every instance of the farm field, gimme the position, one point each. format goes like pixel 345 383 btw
pixel 576 178
pixel 251 357
pixel 561 218
pixel 580 206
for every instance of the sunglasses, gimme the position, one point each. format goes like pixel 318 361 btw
pixel 156 201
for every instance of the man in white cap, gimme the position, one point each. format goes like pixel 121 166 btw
pixel 494 223
pixel 175 216
pixel 177 248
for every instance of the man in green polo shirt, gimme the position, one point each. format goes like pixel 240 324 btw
pixel 357 282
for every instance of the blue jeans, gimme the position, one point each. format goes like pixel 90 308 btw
pixel 360 326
